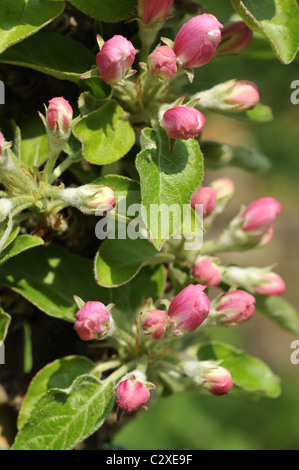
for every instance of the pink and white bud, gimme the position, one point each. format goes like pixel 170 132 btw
pixel 132 393
pixel 260 215
pixel 270 284
pixel 151 11
pixel 236 37
pixel 153 323
pixel 115 58
pixel 234 307
pixel 189 309
pixel 59 116
pixel 224 189
pixel 182 122
pixel 218 381
pixel 242 97
pixel 162 63
pixel 93 321
pixel 90 198
pixel 206 272
pixel 196 42
pixel 205 196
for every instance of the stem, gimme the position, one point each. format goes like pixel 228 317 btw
pixel 61 168
pixel 6 233
pixel 122 336
pixel 119 373
pixel 104 366
pixel 55 149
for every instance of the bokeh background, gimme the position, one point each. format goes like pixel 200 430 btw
pixel 202 422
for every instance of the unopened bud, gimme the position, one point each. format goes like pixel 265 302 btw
pixel 93 321
pixel 205 196
pixel 153 323
pixel 183 122
pixel 151 11
pixel 236 37
pixel 115 59
pixel 59 117
pixel 233 307
pixel 162 63
pixel 132 392
pixel 218 381
pixel 90 198
pixel 206 272
pixel 243 97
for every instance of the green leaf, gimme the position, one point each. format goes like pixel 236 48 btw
pixel 4 325
pixel 120 260
pixel 69 61
pixel 34 143
pixel 61 419
pixel 20 244
pixel 249 374
pixel 111 11
pixel 221 156
pixel 106 134
pixel 49 277
pixel 280 311
pixel 97 87
pixel 21 18
pixel 278 20
pixel 59 374
pixel 261 113
pixel 168 180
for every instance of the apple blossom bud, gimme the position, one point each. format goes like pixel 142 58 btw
pixel 234 307
pixel 93 321
pixel 197 41
pixel 90 198
pixel 153 323
pixel 218 381
pixel 59 117
pixel 243 96
pixel 224 189
pixel 270 284
pixel 206 272
pixel 205 196
pixel 150 11
pixel 182 122
pixel 132 392
pixel 236 37
pixel 162 63
pixel 188 309
pixel 260 215
pixel 115 58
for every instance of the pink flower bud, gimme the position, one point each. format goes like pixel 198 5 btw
pixel 270 284
pixel 115 58
pixel 197 41
pixel 59 115
pixel 153 10
pixel 93 321
pixel 236 37
pixel 162 63
pixel 243 96
pixel 99 199
pixel 206 272
pixel 224 189
pixel 182 122
pixel 205 196
pixel 131 395
pixel 189 309
pixel 2 140
pixel 218 381
pixel 260 215
pixel 153 323
pixel 235 307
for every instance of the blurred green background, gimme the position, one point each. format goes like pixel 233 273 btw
pixel 199 422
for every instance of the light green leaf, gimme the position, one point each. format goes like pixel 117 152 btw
pixel 4 325
pixel 111 11
pixel 34 143
pixel 280 311
pixel 59 374
pixel 249 374
pixel 120 260
pixel 20 244
pixel 21 18
pixel 261 113
pixel 54 277
pixel 278 20
pixel 168 180
pixel 106 134
pixel 70 60
pixel 61 419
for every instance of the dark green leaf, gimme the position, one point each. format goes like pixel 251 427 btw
pixel 111 11
pixel 4 324
pixel 20 244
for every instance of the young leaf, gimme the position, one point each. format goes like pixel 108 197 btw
pixel 59 374
pixel 4 325
pixel 168 180
pixel 278 20
pixel 54 277
pixel 249 374
pixel 106 135
pixel 280 311
pixel 69 62
pixel 20 244
pixel 118 261
pixel 19 20
pixel 111 11
pixel 62 418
